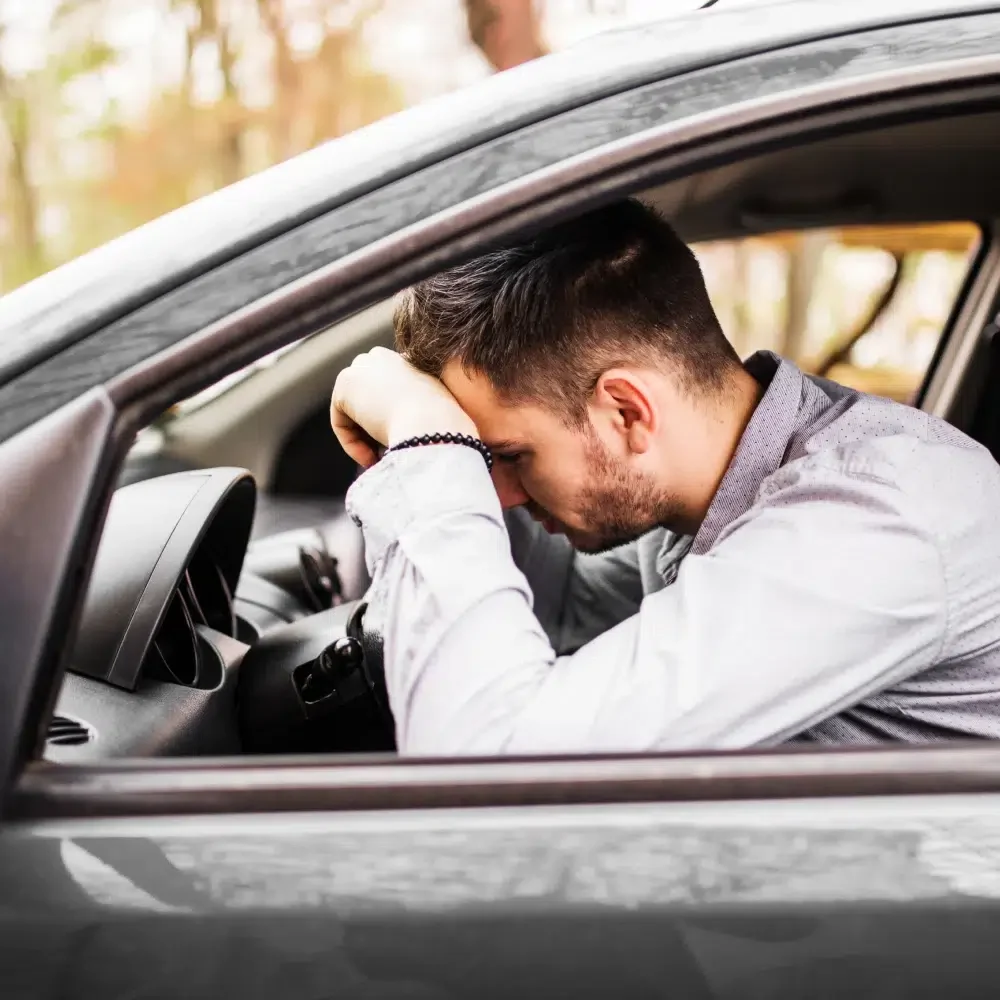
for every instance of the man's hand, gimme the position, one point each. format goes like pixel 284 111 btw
pixel 381 399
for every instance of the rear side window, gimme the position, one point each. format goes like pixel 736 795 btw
pixel 863 305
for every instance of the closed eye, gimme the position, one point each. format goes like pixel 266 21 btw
pixel 509 457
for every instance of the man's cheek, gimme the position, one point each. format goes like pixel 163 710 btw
pixel 544 495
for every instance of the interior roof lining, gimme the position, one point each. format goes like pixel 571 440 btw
pixel 926 171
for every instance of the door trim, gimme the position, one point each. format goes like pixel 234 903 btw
pixel 358 279
pixel 285 784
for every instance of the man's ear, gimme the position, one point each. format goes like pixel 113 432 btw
pixel 625 399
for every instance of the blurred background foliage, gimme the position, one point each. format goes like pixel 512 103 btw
pixel 113 112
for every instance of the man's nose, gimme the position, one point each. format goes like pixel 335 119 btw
pixel 508 486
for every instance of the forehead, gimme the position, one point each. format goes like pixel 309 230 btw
pixel 496 419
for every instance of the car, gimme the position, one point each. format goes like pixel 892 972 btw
pixel 199 790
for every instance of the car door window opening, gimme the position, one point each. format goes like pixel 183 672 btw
pixel 884 333
pixel 958 239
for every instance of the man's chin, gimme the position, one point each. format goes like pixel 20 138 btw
pixel 593 543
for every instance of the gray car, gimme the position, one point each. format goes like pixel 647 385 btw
pixel 200 797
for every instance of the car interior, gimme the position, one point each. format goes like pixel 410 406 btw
pixel 225 613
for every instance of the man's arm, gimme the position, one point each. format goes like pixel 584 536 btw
pixel 576 597
pixel 381 399
pixel 824 593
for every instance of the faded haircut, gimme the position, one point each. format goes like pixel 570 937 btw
pixel 543 319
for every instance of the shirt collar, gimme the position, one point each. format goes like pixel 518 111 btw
pixel 762 447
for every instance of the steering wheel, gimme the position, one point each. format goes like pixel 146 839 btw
pixel 317 685
pixel 372 664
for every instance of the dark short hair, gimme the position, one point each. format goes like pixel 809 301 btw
pixel 544 318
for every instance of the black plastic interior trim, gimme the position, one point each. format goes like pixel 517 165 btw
pixel 853 207
pixel 297 471
pixel 159 718
pixel 156 531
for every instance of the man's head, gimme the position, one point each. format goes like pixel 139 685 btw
pixel 591 360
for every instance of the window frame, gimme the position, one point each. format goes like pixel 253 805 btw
pixel 129 399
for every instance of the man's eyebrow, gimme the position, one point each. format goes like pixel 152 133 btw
pixel 505 445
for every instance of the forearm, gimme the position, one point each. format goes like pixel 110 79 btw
pixel 745 648
pixel 463 651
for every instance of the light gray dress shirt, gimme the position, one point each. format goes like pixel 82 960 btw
pixel 843 588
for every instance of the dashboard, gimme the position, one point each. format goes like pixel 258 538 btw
pixel 184 650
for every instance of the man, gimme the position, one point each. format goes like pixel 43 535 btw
pixel 781 558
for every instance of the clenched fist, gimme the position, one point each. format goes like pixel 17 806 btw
pixel 381 399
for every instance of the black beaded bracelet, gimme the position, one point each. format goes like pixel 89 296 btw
pixel 448 438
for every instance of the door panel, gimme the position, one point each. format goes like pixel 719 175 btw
pixel 838 898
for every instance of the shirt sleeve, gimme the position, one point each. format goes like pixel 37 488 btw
pixel 828 590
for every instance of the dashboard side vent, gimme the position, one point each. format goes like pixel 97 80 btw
pixel 175 655
pixel 206 594
pixel 178 654
pixel 66 732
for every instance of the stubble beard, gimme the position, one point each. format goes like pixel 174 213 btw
pixel 618 504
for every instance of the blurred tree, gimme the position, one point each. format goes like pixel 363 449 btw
pixel 233 86
pixel 739 334
pixel 23 256
pixel 183 144
pixel 506 31
pixel 270 99
pixel 331 90
pixel 286 78
pixel 216 30
pixel 31 100
pixel 805 256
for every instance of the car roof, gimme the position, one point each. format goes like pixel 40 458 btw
pixel 67 304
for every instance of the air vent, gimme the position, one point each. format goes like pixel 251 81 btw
pixel 175 655
pixel 178 653
pixel 67 732
pixel 206 594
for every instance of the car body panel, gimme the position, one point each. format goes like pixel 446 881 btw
pixel 840 898
pixel 799 875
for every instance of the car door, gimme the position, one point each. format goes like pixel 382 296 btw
pixel 770 874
